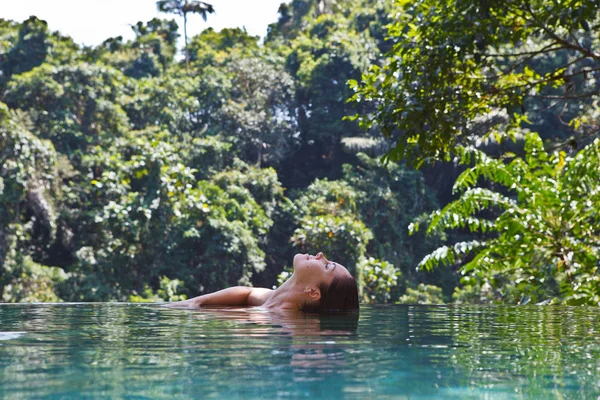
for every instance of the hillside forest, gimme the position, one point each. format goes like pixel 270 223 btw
pixel 441 152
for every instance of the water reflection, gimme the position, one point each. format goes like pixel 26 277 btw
pixel 10 335
pixel 315 342
pixel 117 350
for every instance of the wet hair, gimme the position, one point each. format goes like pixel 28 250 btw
pixel 340 295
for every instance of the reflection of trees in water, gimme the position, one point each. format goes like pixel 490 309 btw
pixel 112 350
pixel 117 351
pixel 313 349
pixel 549 350
pixel 92 349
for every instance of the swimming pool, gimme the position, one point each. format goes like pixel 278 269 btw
pixel 140 351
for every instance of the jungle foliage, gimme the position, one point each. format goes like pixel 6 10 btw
pixel 129 174
pixel 507 90
pixel 125 175
pixel 463 71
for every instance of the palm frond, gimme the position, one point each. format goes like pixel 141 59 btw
pixel 198 7
pixel 171 6
pixel 492 169
pixel 455 214
pixel 448 255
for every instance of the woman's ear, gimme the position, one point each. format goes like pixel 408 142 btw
pixel 313 292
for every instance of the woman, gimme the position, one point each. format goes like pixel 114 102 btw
pixel 317 285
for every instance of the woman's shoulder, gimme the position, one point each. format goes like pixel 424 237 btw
pixel 258 296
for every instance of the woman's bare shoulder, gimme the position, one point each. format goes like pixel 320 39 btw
pixel 258 296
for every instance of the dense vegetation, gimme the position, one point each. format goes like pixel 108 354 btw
pixel 509 90
pixel 127 174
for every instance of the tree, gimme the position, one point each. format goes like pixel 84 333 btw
pixel 150 54
pixel 182 8
pixel 457 64
pixel 205 48
pixel 256 114
pixel 538 229
pixel 28 212
pixel 380 280
pixel 322 58
pixel 73 105
pixel 29 51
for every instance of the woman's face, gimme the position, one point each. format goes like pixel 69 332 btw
pixel 317 269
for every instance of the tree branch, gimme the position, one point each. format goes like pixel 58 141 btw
pixel 577 47
pixel 562 97
pixel 543 50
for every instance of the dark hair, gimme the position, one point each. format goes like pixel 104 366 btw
pixel 340 295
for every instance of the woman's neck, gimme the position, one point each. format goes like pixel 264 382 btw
pixel 285 296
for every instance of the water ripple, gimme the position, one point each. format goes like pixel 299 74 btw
pixel 417 352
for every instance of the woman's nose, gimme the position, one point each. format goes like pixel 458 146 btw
pixel 319 255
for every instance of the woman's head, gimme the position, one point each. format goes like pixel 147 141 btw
pixel 327 286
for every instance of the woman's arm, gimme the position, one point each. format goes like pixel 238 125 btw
pixel 233 296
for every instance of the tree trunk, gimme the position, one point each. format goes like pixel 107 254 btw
pixel 3 250
pixel 259 155
pixel 187 57
pixel 335 170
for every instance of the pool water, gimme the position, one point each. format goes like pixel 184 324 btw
pixel 134 351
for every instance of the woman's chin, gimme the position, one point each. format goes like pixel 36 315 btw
pixel 297 258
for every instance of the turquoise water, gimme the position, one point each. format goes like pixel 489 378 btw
pixel 134 351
